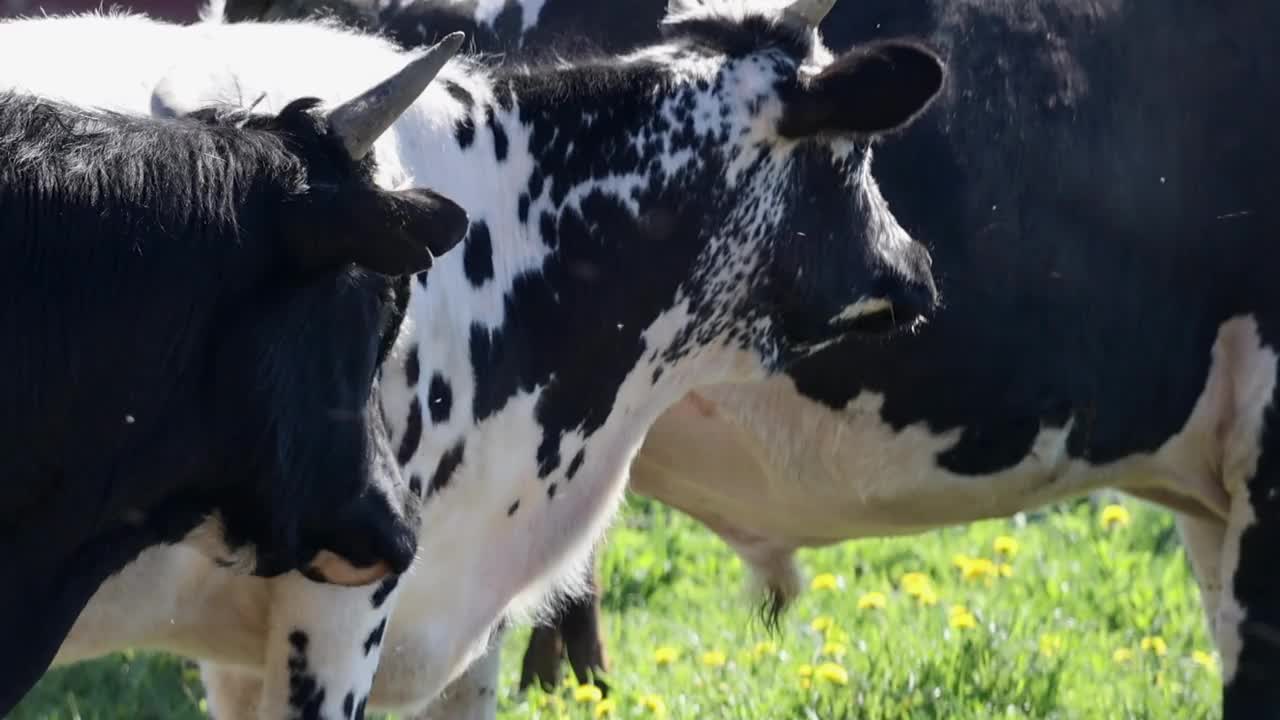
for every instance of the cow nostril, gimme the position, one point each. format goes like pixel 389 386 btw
pixel 401 546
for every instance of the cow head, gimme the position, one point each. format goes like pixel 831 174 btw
pixel 715 186
pixel 793 129
pixel 327 496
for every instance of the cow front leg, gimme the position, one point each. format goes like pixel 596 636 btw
pixel 323 647
pixel 473 695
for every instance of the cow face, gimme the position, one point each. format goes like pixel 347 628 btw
pixel 327 496
pixel 795 130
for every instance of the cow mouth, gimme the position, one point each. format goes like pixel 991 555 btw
pixel 876 318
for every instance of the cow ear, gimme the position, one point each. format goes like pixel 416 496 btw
pixel 389 232
pixel 869 90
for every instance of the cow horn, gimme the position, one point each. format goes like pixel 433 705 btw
pixel 807 13
pixel 362 120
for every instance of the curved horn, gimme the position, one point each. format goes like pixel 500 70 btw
pixel 362 120
pixel 807 13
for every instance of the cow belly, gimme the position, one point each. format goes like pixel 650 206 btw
pixel 769 463
pixel 765 459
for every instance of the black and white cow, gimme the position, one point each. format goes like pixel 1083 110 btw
pixel 698 212
pixel 194 316
pixel 1098 208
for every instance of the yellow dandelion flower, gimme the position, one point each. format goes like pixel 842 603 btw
pixel 927 597
pixel 804 671
pixel 961 619
pixel 1006 570
pixel 1122 655
pixel 1154 644
pixel 873 600
pixel 1204 659
pixel 653 704
pixel 1050 645
pixel 805 683
pixel 1005 545
pixel 604 707
pixel 714 658
pixel 1113 516
pixel 961 561
pixel 587 694
pixel 822 623
pixel 825 581
pixel 835 650
pixel 978 569
pixel 915 583
pixel 665 655
pixel 832 673
pixel 764 648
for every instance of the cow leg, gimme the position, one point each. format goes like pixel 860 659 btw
pixel 580 628
pixel 1204 540
pixel 1247 625
pixel 542 657
pixel 575 629
pixel 473 695
pixel 323 646
pixel 1248 617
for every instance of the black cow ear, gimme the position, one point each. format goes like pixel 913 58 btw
pixel 389 232
pixel 869 90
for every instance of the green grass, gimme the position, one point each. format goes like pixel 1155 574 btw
pixel 670 583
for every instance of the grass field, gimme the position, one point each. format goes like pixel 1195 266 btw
pixel 1082 612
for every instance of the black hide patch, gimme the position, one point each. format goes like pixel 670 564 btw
pixel 375 637
pixel 305 695
pixel 449 463
pixel 384 590
pixel 477 254
pixel 412 433
pixel 412 368
pixel 439 399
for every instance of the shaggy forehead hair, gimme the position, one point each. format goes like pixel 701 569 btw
pixel 738 27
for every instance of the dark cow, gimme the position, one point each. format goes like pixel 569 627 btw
pixel 1098 203
pixel 191 352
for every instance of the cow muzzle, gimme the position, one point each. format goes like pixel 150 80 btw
pixel 366 549
pixel 895 303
